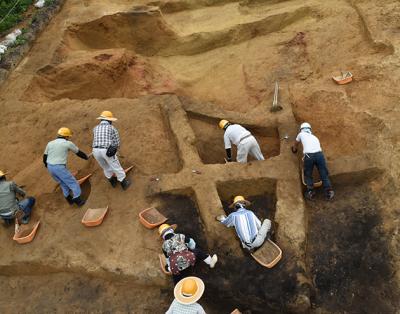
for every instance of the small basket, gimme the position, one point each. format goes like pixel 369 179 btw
pixel 26 236
pixel 163 262
pixel 345 78
pixel 94 216
pixel 84 179
pixel 268 255
pixel 151 218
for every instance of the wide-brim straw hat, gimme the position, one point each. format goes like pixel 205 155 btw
pixel 241 200
pixel 181 298
pixel 167 228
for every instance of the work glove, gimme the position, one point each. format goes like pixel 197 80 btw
pixel 192 244
pixel 220 218
pixel 294 150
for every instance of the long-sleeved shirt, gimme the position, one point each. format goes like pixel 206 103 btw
pixel 105 135
pixel 57 151
pixel 246 224
pixel 179 308
pixel 233 134
pixel 8 198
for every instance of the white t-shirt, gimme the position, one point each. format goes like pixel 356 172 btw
pixel 233 134
pixel 310 142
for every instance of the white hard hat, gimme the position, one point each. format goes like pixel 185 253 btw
pixel 305 125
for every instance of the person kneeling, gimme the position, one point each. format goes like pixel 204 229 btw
pixel 10 207
pixel 248 227
pixel 181 253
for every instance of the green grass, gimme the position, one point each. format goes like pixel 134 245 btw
pixel 15 16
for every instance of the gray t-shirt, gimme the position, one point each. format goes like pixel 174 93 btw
pixel 57 151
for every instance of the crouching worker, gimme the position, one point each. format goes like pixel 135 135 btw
pixel 55 160
pixel 248 227
pixel 10 207
pixel 313 156
pixel 243 139
pixel 181 253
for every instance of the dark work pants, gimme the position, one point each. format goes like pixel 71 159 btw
pixel 318 160
pixel 200 256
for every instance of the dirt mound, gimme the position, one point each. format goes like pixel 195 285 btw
pixel 146 34
pixel 150 34
pixel 105 74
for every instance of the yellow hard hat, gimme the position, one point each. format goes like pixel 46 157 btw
pixel 238 198
pixel 189 287
pixel 189 290
pixel 163 228
pixel 2 174
pixel 241 199
pixel 223 123
pixel 65 132
pixel 107 115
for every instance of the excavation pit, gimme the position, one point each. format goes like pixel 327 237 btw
pixel 348 254
pixel 210 140
pixel 235 282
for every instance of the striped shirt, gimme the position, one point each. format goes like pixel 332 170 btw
pixel 179 308
pixel 105 135
pixel 245 223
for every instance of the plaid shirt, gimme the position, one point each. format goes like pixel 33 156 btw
pixel 178 308
pixel 105 135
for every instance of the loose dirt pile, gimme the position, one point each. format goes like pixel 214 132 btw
pixel 109 74
pixel 169 71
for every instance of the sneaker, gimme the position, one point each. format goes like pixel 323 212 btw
pixel 309 194
pixel 329 195
pixel 25 220
pixel 214 260
pixel 113 181
pixel 69 199
pixel 78 201
pixel 125 184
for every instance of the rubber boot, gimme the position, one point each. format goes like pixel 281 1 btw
pixel 113 181
pixel 69 199
pixel 78 201
pixel 125 184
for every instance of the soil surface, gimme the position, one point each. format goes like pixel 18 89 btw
pixel 169 71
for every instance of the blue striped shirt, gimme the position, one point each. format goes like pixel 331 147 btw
pixel 246 224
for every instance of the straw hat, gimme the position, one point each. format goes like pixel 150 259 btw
pixel 107 115
pixel 189 290
pixel 240 199
pixel 164 228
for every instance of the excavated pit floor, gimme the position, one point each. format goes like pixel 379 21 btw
pixel 236 282
pixel 348 254
pixel 210 141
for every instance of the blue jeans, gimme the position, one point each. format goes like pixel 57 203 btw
pixel 318 160
pixel 26 206
pixel 67 181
